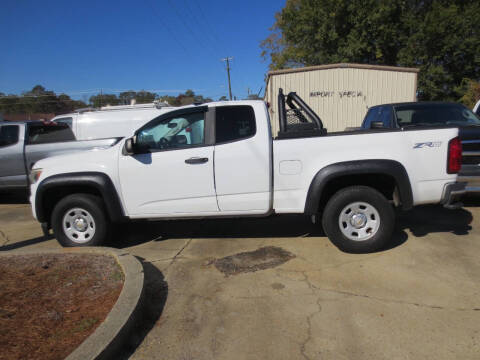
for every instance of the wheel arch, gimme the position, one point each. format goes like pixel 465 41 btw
pixel 379 174
pixel 56 187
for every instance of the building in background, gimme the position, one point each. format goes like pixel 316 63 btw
pixel 28 117
pixel 342 93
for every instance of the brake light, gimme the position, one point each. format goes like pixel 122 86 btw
pixel 454 156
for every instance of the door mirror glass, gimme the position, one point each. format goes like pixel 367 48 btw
pixel 129 146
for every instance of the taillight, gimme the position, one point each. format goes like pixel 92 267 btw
pixel 454 156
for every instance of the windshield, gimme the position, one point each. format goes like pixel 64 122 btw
pixel 435 114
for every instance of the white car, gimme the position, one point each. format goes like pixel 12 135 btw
pixel 220 159
pixel 110 121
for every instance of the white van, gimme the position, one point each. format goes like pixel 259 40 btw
pixel 111 121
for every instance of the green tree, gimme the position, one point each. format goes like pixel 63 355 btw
pixel 471 92
pixel 440 37
pixel 145 97
pixel 126 97
pixel 187 98
pixel 38 100
pixel 141 97
pixel 100 100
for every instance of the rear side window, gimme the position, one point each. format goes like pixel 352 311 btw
pixel 234 123
pixel 8 135
pixel 65 120
pixel 49 133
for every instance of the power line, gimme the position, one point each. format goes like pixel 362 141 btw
pixel 172 33
pixel 202 14
pixel 195 18
pixel 97 91
pixel 187 26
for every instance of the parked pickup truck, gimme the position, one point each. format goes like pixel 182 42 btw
pixel 24 143
pixel 219 160
pixel 428 114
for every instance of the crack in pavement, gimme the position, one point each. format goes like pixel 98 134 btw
pixel 309 330
pixel 314 288
pixel 179 252
pixel 434 307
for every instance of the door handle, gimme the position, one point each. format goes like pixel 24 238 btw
pixel 196 160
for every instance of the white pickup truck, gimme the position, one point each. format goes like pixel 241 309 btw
pixel 219 160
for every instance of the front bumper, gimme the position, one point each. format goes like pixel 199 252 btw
pixel 452 194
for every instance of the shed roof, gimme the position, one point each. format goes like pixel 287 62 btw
pixel 343 66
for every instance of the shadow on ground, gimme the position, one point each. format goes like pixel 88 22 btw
pixel 155 297
pixel 135 233
pixel 420 221
pixel 21 244
pixel 424 220
pixel 471 200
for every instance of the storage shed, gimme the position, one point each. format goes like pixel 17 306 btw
pixel 342 93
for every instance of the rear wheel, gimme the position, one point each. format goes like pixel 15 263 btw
pixel 358 219
pixel 80 220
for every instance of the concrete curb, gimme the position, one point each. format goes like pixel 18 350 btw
pixel 109 337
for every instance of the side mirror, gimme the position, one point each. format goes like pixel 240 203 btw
pixel 376 125
pixel 129 146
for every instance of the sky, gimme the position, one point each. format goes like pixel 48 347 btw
pixel 163 46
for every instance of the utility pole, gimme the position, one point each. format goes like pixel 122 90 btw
pixel 227 60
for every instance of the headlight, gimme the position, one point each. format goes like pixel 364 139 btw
pixel 34 175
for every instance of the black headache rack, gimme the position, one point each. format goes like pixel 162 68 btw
pixel 299 120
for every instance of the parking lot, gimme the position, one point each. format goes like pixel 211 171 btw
pixel 417 299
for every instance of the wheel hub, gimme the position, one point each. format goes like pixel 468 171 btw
pixel 358 221
pixel 80 224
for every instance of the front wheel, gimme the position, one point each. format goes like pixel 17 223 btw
pixel 358 219
pixel 80 220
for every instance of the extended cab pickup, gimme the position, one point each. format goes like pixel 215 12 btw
pixel 435 114
pixel 220 159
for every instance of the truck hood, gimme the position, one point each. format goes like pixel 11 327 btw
pixel 86 160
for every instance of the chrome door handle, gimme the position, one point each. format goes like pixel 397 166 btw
pixel 196 160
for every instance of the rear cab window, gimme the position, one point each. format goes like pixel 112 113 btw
pixel 45 133
pixel 233 123
pixel 372 115
pixel 8 135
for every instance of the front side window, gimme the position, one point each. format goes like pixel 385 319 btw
pixel 435 115
pixel 234 123
pixel 8 135
pixel 49 133
pixel 175 132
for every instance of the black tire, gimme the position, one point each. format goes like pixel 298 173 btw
pixel 93 206
pixel 341 200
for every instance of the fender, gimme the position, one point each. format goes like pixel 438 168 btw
pixel 359 167
pixel 100 181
